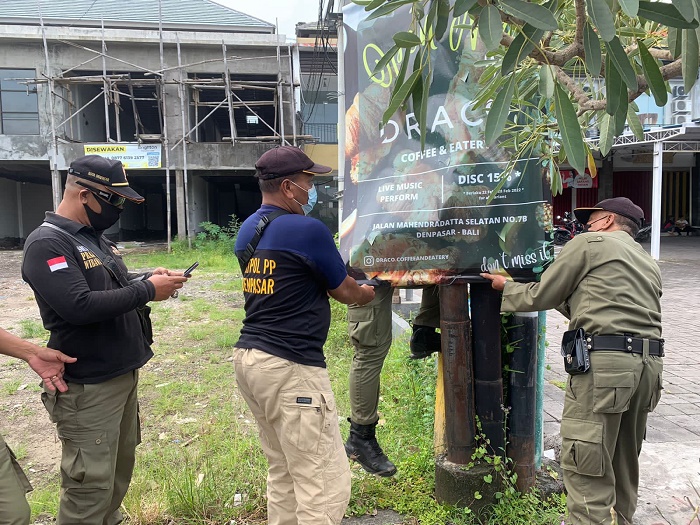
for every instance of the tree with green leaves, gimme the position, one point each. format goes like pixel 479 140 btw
pixel 554 68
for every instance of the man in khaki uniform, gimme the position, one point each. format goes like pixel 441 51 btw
pixel 369 327
pixel 608 285
pixel 49 365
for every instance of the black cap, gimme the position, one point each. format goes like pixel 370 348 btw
pixel 287 160
pixel 110 173
pixel 618 205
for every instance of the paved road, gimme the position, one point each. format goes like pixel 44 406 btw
pixel 670 460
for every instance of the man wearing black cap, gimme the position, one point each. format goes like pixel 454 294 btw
pixel 289 269
pixel 607 285
pixel 88 301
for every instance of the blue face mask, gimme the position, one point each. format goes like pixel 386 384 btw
pixel 311 202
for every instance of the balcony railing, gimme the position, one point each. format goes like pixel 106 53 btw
pixel 324 133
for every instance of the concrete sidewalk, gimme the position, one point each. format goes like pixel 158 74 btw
pixel 670 459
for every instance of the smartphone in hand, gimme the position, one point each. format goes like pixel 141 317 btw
pixel 189 270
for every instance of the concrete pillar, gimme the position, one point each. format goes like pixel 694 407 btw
pixel 605 179
pixel 180 203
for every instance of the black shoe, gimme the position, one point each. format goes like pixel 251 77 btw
pixel 362 447
pixel 424 342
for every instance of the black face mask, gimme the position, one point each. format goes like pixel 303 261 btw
pixel 587 227
pixel 106 218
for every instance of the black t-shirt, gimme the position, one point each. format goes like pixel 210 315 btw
pixel 285 286
pixel 90 316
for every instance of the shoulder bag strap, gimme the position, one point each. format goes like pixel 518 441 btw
pixel 244 259
pixel 107 261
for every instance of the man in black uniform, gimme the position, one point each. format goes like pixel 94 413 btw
pixel 89 301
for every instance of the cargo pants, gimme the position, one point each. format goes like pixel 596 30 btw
pixel 14 509
pixel 370 327
pixel 308 479
pixel 98 426
pixel 602 428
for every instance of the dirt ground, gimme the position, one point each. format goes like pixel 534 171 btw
pixel 24 423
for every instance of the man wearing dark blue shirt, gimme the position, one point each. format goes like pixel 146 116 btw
pixel 279 362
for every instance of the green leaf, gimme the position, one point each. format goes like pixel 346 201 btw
pixel 674 42
pixel 630 7
pixel 690 58
pixel 533 14
pixel 602 18
pixel 374 4
pixel 521 46
pixel 613 82
pixel 571 134
pixel 399 95
pixel 381 64
pixel 402 72
pixel 443 15
pixel 406 39
pixel 606 135
pixel 388 8
pixel 622 63
pixel 591 46
pixel 635 124
pixel 620 118
pixel 546 85
pixel 653 75
pixel 490 27
pixel 462 6
pixel 685 8
pixel 665 14
pixel 498 113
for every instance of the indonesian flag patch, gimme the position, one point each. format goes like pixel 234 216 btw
pixel 57 263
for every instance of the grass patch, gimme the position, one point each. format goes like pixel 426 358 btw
pixel 200 461
pixel 33 329
pixel 559 384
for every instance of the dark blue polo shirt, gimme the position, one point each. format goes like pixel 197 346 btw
pixel 285 286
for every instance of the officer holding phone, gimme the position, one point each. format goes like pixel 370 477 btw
pixel 610 289
pixel 95 311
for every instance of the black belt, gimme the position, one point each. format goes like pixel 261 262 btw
pixel 624 343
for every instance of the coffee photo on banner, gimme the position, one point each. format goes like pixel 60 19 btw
pixel 452 209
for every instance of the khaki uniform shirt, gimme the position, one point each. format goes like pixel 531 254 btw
pixel 604 282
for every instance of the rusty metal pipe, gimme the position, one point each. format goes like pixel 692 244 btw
pixel 458 373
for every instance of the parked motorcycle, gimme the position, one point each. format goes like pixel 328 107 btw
pixel 567 230
pixel 644 233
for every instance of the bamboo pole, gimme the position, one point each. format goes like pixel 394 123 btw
pixel 183 94
pixel 166 151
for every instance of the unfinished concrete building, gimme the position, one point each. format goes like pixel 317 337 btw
pixel 187 94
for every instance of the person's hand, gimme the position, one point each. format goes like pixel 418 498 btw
pixel 166 285
pixel 165 271
pixel 498 282
pixel 367 294
pixel 49 364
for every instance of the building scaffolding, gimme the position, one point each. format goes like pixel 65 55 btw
pixel 115 88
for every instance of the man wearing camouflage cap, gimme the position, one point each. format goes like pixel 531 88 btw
pixel 607 285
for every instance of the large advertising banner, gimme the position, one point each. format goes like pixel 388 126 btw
pixel 423 216
pixel 132 156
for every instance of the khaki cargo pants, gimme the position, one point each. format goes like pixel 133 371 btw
pixel 602 429
pixel 98 426
pixel 14 509
pixel 308 480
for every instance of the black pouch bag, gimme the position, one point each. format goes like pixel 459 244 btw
pixel 575 352
pixel 144 313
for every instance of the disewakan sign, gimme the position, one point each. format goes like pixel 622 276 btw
pixel 132 156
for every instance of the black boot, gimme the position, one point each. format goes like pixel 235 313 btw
pixel 424 341
pixel 362 447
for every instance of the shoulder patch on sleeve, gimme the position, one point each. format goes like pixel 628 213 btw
pixel 57 263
